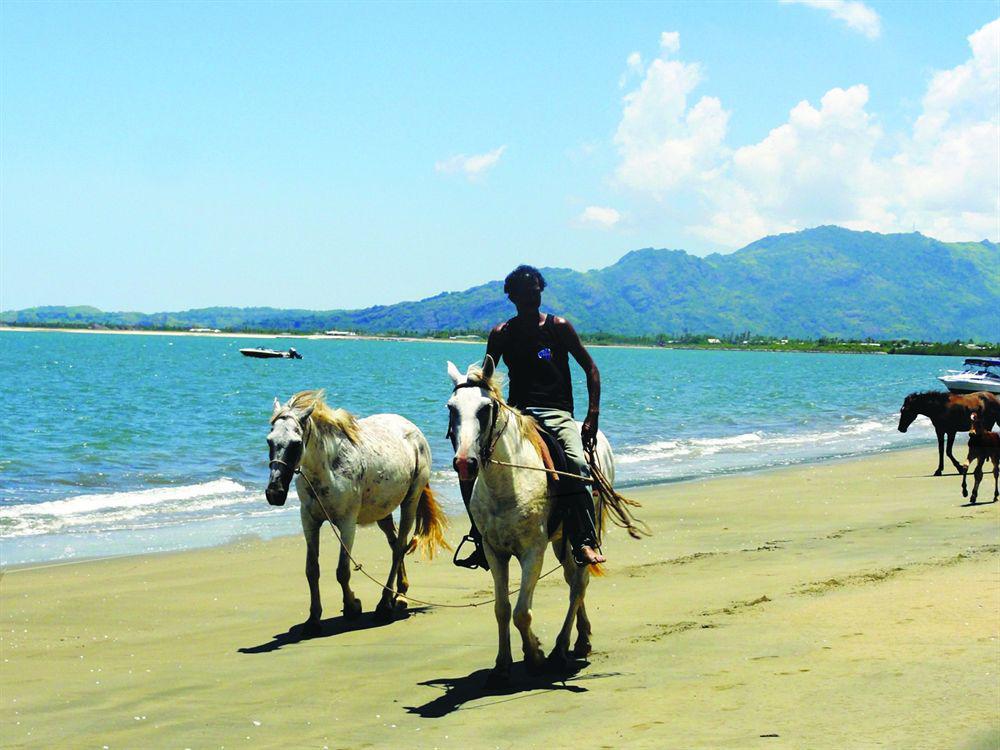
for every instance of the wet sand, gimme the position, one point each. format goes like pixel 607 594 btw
pixel 850 604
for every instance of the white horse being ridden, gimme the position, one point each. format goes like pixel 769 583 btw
pixel 511 507
pixel 353 472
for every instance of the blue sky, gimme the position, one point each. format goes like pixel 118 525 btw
pixel 167 156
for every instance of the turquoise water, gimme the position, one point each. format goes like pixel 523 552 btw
pixel 122 444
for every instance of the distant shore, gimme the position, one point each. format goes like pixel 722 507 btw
pixel 236 334
pixel 845 604
pixel 721 347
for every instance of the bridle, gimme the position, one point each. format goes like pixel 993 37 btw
pixel 295 469
pixel 495 407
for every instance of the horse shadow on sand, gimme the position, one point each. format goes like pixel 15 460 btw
pixel 330 627
pixel 976 504
pixel 461 690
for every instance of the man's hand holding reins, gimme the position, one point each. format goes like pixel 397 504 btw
pixel 588 433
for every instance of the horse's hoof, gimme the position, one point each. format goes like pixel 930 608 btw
pixel 384 612
pixel 581 649
pixel 559 660
pixel 937 473
pixel 352 612
pixel 498 678
pixel 535 665
pixel 965 493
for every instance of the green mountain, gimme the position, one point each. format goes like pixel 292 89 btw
pixel 826 281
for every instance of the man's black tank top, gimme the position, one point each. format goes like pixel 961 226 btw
pixel 537 366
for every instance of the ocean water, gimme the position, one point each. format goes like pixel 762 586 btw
pixel 124 444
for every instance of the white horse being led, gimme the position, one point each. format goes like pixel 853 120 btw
pixel 511 507
pixel 361 470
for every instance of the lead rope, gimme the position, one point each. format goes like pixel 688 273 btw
pixel 359 567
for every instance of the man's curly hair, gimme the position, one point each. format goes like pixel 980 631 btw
pixel 521 275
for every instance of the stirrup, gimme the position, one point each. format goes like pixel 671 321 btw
pixel 476 560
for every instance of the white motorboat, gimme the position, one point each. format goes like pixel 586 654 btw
pixel 979 374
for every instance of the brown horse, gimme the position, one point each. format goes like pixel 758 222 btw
pixel 949 413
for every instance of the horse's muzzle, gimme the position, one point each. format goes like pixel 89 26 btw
pixel 467 468
pixel 277 488
pixel 276 495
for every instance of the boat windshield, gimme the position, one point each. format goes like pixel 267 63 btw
pixel 982 368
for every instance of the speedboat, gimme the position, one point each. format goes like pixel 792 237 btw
pixel 270 354
pixel 978 375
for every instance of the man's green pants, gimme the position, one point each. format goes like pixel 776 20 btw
pixel 576 500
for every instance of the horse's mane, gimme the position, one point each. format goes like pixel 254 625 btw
pixel 325 420
pixel 929 396
pixel 526 424
pixel 493 384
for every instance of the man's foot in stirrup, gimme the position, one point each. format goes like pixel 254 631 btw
pixel 475 560
pixel 587 555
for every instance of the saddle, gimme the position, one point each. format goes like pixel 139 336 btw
pixel 554 457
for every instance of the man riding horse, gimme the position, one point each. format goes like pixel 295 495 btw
pixel 535 347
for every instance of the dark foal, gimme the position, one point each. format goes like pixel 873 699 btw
pixel 949 413
pixel 983 446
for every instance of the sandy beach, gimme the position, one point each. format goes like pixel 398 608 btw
pixel 851 604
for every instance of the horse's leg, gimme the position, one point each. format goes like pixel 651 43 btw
pixel 582 646
pixel 407 515
pixel 576 577
pixel 500 675
pixel 978 476
pixel 311 528
pixel 352 605
pixel 951 441
pixel 995 460
pixel 388 526
pixel 531 568
pixel 940 438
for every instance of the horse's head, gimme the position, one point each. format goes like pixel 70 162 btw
pixel 977 425
pixel 285 443
pixel 472 413
pixel 907 412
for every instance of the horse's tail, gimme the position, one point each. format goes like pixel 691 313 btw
pixel 596 569
pixel 431 523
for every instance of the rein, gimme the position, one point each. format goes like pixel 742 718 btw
pixel 610 501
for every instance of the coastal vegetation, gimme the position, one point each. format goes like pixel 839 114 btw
pixel 826 288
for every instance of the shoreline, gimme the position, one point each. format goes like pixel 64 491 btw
pixel 462 518
pixel 235 335
pixel 847 604
pixel 478 342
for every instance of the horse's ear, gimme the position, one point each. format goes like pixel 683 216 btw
pixel 488 367
pixel 277 408
pixel 306 413
pixel 454 374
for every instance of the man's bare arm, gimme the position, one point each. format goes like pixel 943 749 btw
pixel 494 344
pixel 583 358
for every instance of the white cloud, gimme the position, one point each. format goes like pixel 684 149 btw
pixel 662 142
pixel 670 42
pixel 856 15
pixel 600 216
pixel 471 166
pixel 828 163
pixel 633 67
